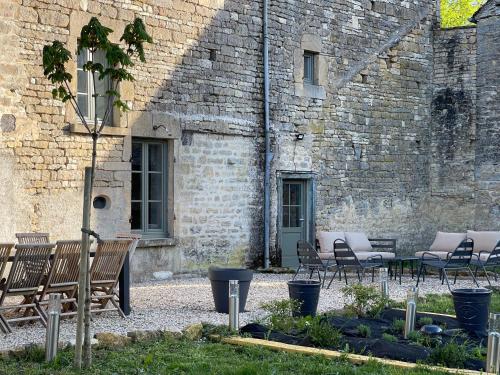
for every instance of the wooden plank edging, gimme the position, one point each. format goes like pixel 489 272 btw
pixel 354 358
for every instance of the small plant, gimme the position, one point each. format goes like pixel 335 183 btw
pixel 425 321
pixel 398 325
pixel 364 330
pixel 281 314
pixel 415 337
pixel 366 300
pixel 216 330
pixel 388 337
pixel 323 334
pixel 450 355
pixel 479 352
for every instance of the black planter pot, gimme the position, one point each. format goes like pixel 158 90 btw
pixel 307 292
pixel 471 308
pixel 219 279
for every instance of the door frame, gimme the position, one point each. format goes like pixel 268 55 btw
pixel 309 179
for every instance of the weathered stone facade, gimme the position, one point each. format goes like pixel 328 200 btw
pixel 391 134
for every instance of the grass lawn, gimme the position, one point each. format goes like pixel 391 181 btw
pixel 184 357
pixel 443 303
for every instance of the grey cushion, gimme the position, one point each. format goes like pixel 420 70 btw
pixel 484 241
pixel 326 240
pixel 440 254
pixel 447 242
pixel 358 241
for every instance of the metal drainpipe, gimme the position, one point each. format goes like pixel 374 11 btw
pixel 268 156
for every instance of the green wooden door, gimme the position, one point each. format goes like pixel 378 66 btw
pixel 293 220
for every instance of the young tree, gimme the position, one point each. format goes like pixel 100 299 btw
pixel 94 39
pixel 456 13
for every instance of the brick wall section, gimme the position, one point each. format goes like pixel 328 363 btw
pixel 453 130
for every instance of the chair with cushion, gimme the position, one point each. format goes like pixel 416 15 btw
pixel 347 258
pixel 487 260
pixel 444 244
pixel 458 260
pixel 310 262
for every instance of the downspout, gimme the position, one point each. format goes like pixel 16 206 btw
pixel 268 154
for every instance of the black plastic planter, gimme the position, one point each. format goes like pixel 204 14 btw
pixel 219 279
pixel 307 292
pixel 471 308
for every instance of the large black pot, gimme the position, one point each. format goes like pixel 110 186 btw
pixel 219 279
pixel 471 308
pixel 307 293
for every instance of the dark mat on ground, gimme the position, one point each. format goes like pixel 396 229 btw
pixel 258 331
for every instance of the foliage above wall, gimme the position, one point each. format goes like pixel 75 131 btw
pixel 455 13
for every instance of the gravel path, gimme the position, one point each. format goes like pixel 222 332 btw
pixel 174 304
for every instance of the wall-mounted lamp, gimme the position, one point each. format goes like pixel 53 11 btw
pixel 299 136
pixel 156 127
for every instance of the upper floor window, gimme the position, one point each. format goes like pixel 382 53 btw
pixel 86 88
pixel 310 67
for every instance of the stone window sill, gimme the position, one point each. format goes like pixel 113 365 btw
pixel 107 130
pixel 310 91
pixel 157 242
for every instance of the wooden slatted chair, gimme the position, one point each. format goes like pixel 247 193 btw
pixel 104 273
pixel 25 278
pixel 5 250
pixel 25 238
pixel 63 276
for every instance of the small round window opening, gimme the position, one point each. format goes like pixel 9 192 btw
pixel 101 202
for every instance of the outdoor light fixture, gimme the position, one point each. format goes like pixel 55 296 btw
pixel 156 127
pixel 234 305
pixel 52 333
pixel 299 136
pixel 493 355
pixel 411 310
pixel 384 283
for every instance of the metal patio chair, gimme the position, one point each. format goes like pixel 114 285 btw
pixel 346 258
pixel 25 278
pixel 63 276
pixel 24 238
pixel 458 260
pixel 104 273
pixel 491 262
pixel 310 262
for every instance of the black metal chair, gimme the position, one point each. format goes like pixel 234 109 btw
pixel 310 262
pixel 492 262
pixel 346 259
pixel 458 260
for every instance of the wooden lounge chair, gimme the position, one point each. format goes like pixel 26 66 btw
pixel 63 276
pixel 310 262
pixel 487 260
pixel 24 279
pixel 5 250
pixel 346 258
pixel 104 273
pixel 458 260
pixel 24 238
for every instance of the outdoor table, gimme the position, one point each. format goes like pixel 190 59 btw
pixel 399 262
pixel 124 282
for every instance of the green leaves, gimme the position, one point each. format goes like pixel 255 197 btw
pixel 135 35
pixel 93 36
pixel 455 13
pixel 54 59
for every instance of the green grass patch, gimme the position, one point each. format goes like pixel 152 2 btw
pixel 169 356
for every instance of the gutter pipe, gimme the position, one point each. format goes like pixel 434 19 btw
pixel 268 154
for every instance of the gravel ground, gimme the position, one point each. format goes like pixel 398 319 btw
pixel 174 304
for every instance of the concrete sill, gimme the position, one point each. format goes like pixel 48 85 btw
pixel 157 242
pixel 107 130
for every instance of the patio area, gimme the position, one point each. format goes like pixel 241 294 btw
pixel 172 305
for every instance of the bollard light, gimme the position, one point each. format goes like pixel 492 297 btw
pixel 234 305
pixel 52 334
pixel 411 311
pixel 493 355
pixel 384 282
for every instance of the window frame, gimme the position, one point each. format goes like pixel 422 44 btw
pixel 310 66
pixel 90 91
pixel 145 231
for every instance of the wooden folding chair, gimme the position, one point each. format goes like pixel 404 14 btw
pixel 25 238
pixel 104 273
pixel 5 250
pixel 24 279
pixel 63 276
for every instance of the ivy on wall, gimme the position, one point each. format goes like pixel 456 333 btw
pixel 455 13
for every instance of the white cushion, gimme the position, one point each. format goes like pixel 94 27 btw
pixel 484 241
pixel 358 241
pixel 447 242
pixel 326 240
pixel 440 254
pixel 363 255
pixel 326 256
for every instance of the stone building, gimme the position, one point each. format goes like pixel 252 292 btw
pixel 380 122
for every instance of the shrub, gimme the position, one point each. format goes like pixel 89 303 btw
pixel 416 337
pixel 450 355
pixel 366 300
pixel 388 337
pixel 425 321
pixel 323 334
pixel 364 330
pixel 398 325
pixel 281 314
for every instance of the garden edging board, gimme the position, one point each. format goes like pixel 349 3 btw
pixel 354 358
